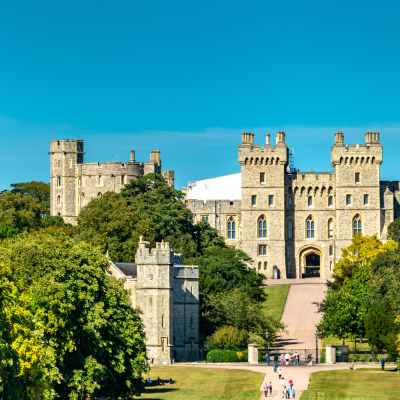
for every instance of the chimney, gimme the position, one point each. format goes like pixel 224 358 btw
pixel 280 138
pixel 132 156
pixel 268 139
pixel 155 156
pixel 248 138
pixel 339 138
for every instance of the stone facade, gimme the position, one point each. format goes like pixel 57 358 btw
pixel 294 224
pixel 74 183
pixel 167 292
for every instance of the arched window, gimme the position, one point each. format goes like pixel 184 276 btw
pixel 100 179
pixel 58 200
pixel 357 226
pixel 309 201
pixel 98 195
pixel 330 228
pixel 265 265
pixel 59 181
pixel 290 229
pixel 330 201
pixel 83 198
pixel 262 227
pixel 231 228
pixel 259 265
pixel 310 227
pixel 290 201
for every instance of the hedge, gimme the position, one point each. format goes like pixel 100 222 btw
pixel 219 356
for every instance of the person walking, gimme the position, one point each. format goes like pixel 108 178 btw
pixel 290 384
pixel 287 358
pixel 266 390
pixel 284 393
pixel 294 358
pixel 297 357
pixel 288 394
pixel 268 358
pixel 283 382
pixel 280 373
pixel 293 394
pixel 275 366
pixel 270 388
pixel 383 364
pixel 282 357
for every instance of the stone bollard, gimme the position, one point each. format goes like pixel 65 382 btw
pixel 253 353
pixel 330 354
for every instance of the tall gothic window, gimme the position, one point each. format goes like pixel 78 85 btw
pixel 100 179
pixel 290 201
pixel 357 224
pixel 310 227
pixel 290 229
pixel 330 228
pixel 262 227
pixel 330 201
pixel 309 201
pixel 231 228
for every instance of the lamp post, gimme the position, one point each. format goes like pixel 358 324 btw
pixel 316 346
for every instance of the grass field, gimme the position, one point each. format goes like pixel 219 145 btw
pixel 354 385
pixel 204 383
pixel 276 299
pixel 360 346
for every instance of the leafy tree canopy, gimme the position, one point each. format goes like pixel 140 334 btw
pixel 85 315
pixel 227 337
pixel 394 230
pixel 40 190
pixel 145 184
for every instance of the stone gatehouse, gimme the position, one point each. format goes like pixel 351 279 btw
pixel 294 224
pixel 167 292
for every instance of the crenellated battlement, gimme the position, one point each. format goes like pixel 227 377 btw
pixel 161 254
pixel 312 177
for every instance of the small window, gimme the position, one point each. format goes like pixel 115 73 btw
pixel 357 177
pixel 265 265
pixel 204 218
pixel 290 201
pixel 231 203
pixel 271 200
pixel 262 250
pixel 100 179
pixel 83 198
pixel 259 265
pixel 330 201
pixel 253 200
pixel 309 201
pixel 348 199
pixel 366 199
pixel 262 177
pixel 231 228
pixel 98 195
pixel 162 321
pixel 290 229
pixel 59 181
pixel 290 251
pixel 262 227
pixel 310 228
pixel 58 200
pixel 122 180
pixel 331 250
pixel 330 229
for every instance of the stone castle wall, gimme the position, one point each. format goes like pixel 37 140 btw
pixel 73 183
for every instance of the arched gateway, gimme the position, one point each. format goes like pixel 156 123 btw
pixel 311 262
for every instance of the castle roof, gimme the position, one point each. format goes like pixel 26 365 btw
pixel 228 187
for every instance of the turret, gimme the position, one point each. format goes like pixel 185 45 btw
pixel 248 139
pixel 339 138
pixel 280 139
pixel 372 138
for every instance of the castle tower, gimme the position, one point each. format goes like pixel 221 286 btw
pixel 65 158
pixel 263 197
pixel 357 200
pixel 156 299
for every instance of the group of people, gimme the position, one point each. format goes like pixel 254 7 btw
pixel 288 392
pixel 285 358
pixel 159 382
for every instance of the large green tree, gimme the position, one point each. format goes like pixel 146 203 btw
pixel 40 190
pixel 86 315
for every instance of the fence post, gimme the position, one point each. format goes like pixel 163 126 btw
pixel 253 353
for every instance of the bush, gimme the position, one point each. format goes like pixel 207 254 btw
pixel 219 356
pixel 227 337
pixel 243 356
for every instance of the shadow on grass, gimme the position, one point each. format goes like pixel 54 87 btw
pixel 158 389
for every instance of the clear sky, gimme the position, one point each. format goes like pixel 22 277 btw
pixel 187 77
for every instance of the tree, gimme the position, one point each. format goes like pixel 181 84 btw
pixel 236 308
pixel 86 315
pixel 145 184
pixel 7 231
pixel 394 230
pixel 40 190
pixel 227 337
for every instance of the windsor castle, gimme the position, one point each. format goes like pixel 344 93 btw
pixel 292 224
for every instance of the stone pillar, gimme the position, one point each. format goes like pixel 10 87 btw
pixel 330 354
pixel 253 353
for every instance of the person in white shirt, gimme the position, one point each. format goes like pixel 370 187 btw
pixel 287 358
pixel 283 382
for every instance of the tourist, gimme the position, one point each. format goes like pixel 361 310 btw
pixel 275 366
pixel 149 381
pixel 152 360
pixel 383 364
pixel 268 358
pixel 310 360
pixel 284 393
pixel 293 394
pixel 297 357
pixel 270 388
pixel 288 394
pixel 352 367
pixel 283 382
pixel 290 384
pixel 266 390
pixel 282 358
pixel 280 373
pixel 287 358
pixel 170 382
pixel 294 358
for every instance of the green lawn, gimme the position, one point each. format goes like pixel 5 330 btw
pixel 276 299
pixel 353 385
pixel 204 383
pixel 359 346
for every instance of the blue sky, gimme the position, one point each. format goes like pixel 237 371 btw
pixel 188 77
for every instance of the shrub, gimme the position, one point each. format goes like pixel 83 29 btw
pixel 219 356
pixel 243 356
pixel 227 337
